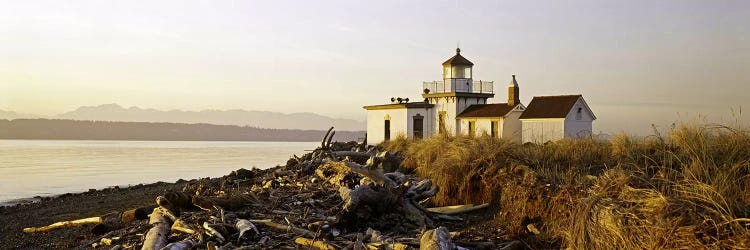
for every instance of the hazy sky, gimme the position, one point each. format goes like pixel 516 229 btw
pixel 635 62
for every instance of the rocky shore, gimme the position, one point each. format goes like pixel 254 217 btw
pixel 340 196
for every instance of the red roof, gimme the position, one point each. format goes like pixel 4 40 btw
pixel 486 110
pixel 550 106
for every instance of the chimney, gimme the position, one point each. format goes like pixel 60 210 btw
pixel 513 98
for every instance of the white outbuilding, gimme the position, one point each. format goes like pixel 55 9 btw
pixel 551 118
pixel 458 105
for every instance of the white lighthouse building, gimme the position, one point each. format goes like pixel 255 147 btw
pixel 457 105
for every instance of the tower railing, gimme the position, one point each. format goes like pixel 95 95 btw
pixel 458 85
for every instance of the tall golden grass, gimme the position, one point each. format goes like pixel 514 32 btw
pixel 688 189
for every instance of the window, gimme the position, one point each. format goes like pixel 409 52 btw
pixel 494 129
pixel 579 114
pixel 387 132
pixel 418 126
pixel 441 122
pixel 472 128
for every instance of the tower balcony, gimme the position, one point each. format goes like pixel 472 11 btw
pixel 458 85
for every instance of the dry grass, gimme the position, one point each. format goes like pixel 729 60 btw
pixel 688 189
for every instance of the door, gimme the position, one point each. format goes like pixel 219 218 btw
pixel 418 126
pixel 387 132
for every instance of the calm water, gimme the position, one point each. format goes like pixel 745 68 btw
pixel 31 168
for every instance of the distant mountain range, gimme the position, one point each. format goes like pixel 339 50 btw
pixel 239 117
pixel 58 129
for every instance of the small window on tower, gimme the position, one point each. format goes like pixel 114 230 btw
pixel 579 114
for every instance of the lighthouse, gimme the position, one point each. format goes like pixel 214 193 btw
pixel 457 105
pixel 454 93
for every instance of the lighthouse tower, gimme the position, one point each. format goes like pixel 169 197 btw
pixel 455 93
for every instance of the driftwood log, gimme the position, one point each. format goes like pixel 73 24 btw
pixel 244 226
pixel 457 209
pixel 104 224
pixel 379 193
pixel 160 221
pixel 182 227
pixel 283 227
pixel 436 239
pixel 63 224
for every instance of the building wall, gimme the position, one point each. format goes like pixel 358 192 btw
pixel 402 123
pixel 542 130
pixel 512 128
pixel 461 104
pixel 428 119
pixel 376 124
pixel 443 105
pixel 482 125
pixel 577 127
pixel 509 128
pixel 452 106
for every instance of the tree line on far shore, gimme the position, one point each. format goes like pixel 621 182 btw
pixel 55 129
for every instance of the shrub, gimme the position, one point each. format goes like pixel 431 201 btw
pixel 689 189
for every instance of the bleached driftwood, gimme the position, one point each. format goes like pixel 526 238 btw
pixel 245 225
pixel 338 174
pixel 105 223
pixel 422 190
pixel 114 221
pixel 63 224
pixel 371 171
pixel 374 198
pixel 457 209
pixel 213 232
pixel 436 239
pixel 352 154
pixel 180 226
pixel 318 244
pixel 160 222
pixel 325 138
pixel 387 193
pixel 283 227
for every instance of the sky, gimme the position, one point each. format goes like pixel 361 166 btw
pixel 636 63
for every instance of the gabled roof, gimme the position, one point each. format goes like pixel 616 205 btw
pixel 458 60
pixel 550 106
pixel 486 110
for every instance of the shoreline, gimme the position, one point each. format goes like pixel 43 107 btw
pixel 36 169
pixel 39 198
pixel 72 206
pixel 293 192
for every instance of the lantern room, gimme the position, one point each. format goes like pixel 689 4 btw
pixel 457 67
